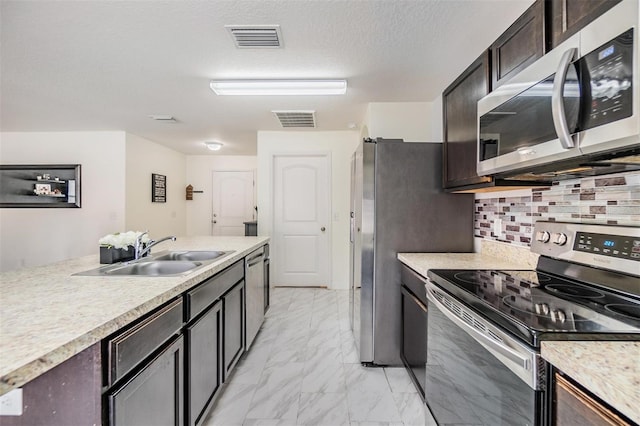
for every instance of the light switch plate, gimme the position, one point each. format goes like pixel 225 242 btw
pixel 11 403
pixel 497 227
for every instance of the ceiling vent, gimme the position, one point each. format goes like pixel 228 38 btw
pixel 163 118
pixel 256 36
pixel 296 118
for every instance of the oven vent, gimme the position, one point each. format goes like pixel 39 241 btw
pixel 296 118
pixel 256 36
pixel 466 316
pixel 494 336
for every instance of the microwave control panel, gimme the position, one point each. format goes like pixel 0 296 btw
pixel 607 72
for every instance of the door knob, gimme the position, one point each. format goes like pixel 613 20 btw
pixel 323 229
pixel 214 221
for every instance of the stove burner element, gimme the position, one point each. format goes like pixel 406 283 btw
pixel 470 277
pixel 575 291
pixel 626 310
pixel 481 276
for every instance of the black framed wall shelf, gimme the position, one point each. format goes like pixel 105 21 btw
pixel 40 185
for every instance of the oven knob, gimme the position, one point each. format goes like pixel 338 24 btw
pixel 558 316
pixel 560 238
pixel 543 236
pixel 542 309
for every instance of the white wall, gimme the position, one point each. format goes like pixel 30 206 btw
pixel 341 145
pixel 199 174
pixel 410 121
pixel 143 158
pixel 435 117
pixel 37 236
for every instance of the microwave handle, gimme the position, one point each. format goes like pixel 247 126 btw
pixel 557 104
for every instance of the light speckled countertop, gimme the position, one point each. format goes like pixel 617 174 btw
pixel 610 370
pixel 493 256
pixel 48 315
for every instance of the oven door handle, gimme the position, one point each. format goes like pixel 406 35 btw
pixel 557 101
pixel 486 341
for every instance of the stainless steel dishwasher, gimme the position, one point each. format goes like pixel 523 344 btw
pixel 254 280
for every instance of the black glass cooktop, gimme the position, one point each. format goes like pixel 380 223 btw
pixel 536 306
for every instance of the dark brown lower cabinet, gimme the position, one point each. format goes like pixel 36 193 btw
pixel 575 406
pixel 234 318
pixel 214 338
pixel 204 340
pixel 154 395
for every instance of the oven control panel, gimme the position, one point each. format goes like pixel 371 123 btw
pixel 608 245
pixel 611 247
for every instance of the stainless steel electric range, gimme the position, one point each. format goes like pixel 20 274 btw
pixel 485 326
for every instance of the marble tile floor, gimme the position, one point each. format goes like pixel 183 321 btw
pixel 303 369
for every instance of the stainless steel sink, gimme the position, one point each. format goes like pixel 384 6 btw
pixel 154 268
pixel 193 255
pixel 163 264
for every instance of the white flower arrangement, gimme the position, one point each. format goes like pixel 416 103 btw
pixel 122 240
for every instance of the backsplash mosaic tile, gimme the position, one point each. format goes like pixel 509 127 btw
pixel 612 199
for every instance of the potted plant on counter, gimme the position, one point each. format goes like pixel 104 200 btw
pixel 119 247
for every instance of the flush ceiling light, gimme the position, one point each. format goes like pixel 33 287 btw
pixel 279 87
pixel 213 146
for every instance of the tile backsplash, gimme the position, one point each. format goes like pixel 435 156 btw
pixel 611 199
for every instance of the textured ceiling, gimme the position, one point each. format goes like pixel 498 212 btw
pixel 108 65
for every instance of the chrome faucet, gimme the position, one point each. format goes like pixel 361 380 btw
pixel 139 251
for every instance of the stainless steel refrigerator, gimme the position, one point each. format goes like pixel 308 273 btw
pixel 397 205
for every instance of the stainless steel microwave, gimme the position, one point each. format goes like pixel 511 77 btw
pixel 574 112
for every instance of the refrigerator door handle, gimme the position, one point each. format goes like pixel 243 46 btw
pixel 352 225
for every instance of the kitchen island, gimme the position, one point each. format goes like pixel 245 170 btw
pixel 49 315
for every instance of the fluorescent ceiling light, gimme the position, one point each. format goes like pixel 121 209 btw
pixel 279 87
pixel 213 146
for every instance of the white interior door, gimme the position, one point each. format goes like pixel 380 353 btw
pixel 301 234
pixel 232 202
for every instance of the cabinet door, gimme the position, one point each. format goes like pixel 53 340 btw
pixel 569 16
pixel 519 46
pixel 460 113
pixel 414 338
pixel 154 396
pixel 234 326
pixel 204 373
pixel 574 406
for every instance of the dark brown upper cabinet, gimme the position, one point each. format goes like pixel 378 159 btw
pixel 566 17
pixel 460 114
pixel 519 46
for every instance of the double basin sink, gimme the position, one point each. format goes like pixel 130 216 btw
pixel 164 264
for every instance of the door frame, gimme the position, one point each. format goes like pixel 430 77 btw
pixel 271 211
pixel 255 193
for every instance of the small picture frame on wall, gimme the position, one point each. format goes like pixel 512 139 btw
pixel 158 188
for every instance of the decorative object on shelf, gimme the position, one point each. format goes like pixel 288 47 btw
pixel 191 191
pixel 158 188
pixel 42 189
pixel 119 247
pixel 40 185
